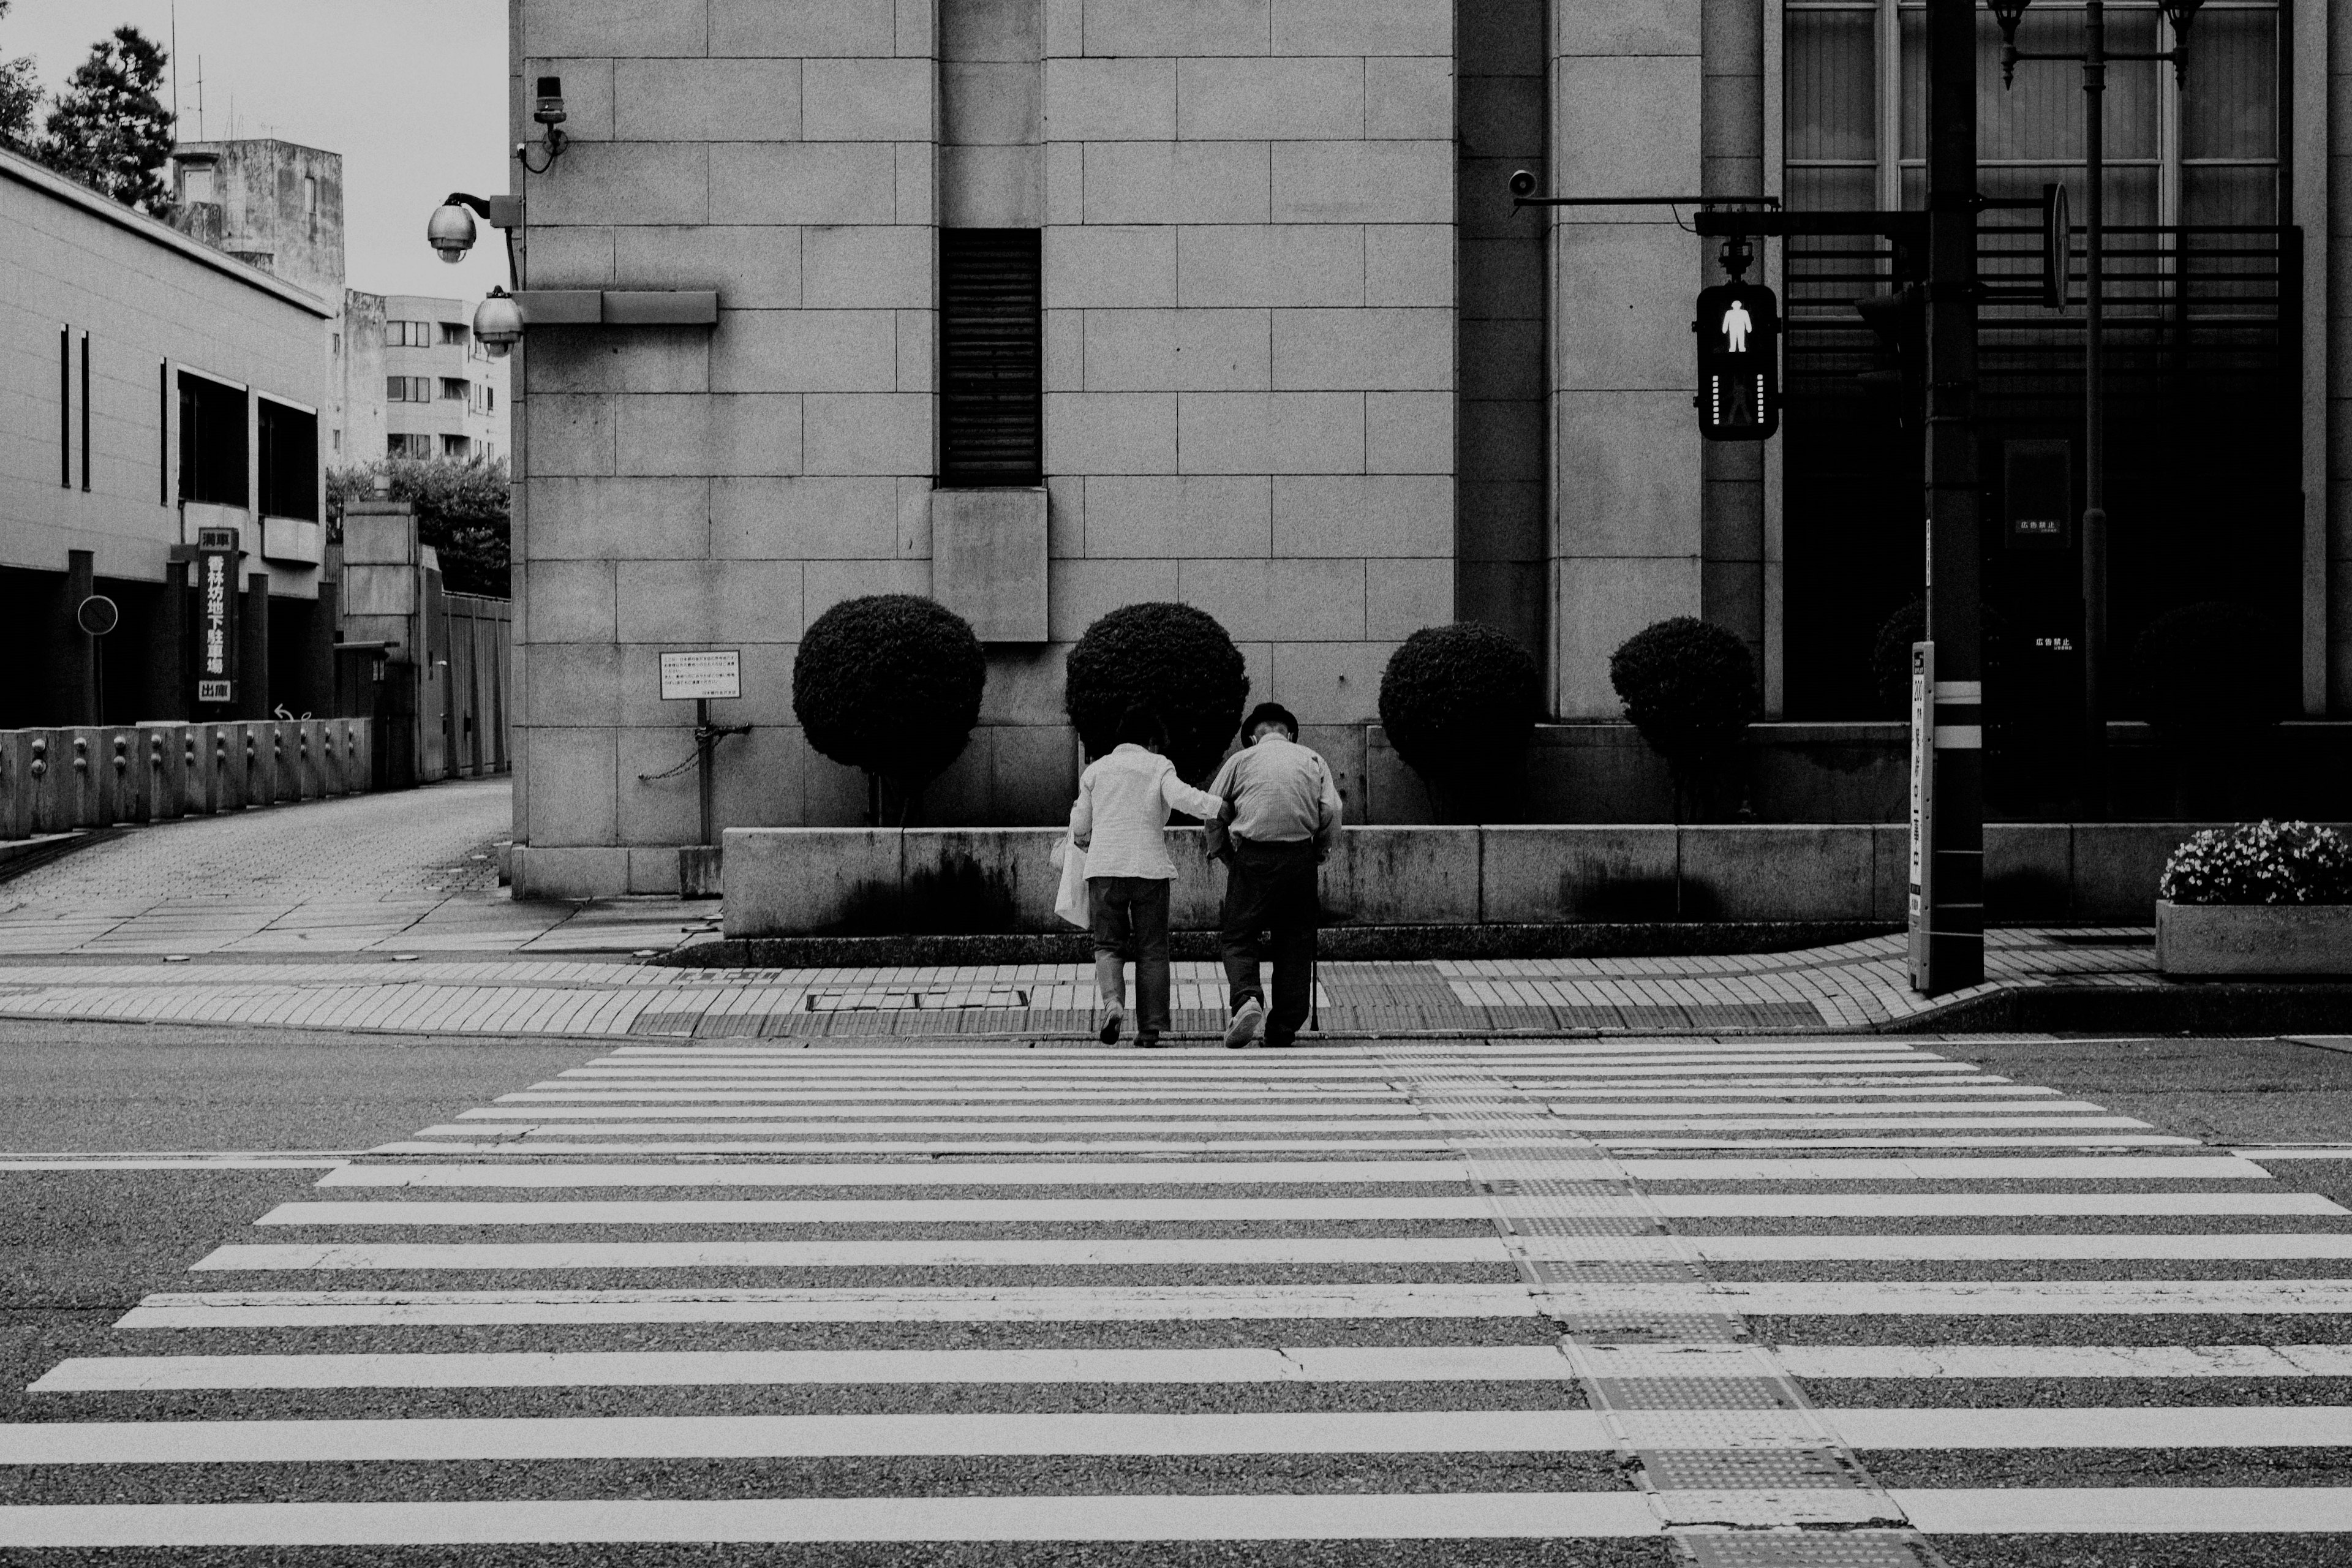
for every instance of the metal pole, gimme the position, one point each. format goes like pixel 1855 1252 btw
pixel 1949 932
pixel 2095 414
pixel 705 739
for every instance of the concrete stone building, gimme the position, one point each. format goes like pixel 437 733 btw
pixel 443 394
pixel 156 396
pixel 1044 307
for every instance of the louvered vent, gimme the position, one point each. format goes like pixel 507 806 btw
pixel 992 428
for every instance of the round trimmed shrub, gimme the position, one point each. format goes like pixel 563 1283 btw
pixel 1890 653
pixel 1173 656
pixel 2211 665
pixel 890 683
pixel 1690 687
pixel 1459 703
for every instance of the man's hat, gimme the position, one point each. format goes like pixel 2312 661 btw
pixel 1270 713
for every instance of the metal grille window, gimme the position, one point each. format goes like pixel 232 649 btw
pixel 290 461
pixel 2205 152
pixel 991 318
pixel 212 441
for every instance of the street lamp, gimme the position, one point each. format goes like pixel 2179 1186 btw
pixel 2094 57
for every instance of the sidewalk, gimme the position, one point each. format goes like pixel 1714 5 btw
pixel 1856 986
pixel 412 871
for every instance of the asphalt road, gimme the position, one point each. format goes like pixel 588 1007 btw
pixel 80 1247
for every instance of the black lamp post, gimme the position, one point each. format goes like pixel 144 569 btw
pixel 2094 59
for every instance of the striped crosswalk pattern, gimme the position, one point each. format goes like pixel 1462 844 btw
pixel 1828 1295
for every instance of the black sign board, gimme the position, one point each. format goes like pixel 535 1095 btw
pixel 216 624
pixel 2038 486
pixel 1738 329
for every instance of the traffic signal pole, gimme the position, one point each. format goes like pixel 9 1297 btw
pixel 1947 925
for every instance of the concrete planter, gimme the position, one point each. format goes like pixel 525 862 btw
pixel 2254 938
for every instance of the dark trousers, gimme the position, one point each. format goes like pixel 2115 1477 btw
pixel 1274 889
pixel 1130 920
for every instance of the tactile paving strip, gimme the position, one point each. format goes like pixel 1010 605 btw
pixel 1851 1549
pixel 1721 1438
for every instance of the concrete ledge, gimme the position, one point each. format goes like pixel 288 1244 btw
pixel 586 872
pixel 1339 944
pixel 822 881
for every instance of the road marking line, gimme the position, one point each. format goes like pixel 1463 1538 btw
pixel 2298 1152
pixel 168 1165
pixel 711 1436
pixel 662 1369
pixel 537 1142
pixel 1629 1123
pixel 1267 1172
pixel 1148 1210
pixel 1173 1113
pixel 1010 1126
pixel 2067 1360
pixel 1355 1100
pixel 2128 1511
pixel 1283 1173
pixel 1966 1298
pixel 1121 1516
pixel 1203 1252
pixel 928 1304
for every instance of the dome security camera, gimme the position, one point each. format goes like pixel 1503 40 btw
pixel 498 323
pixel 450 231
pixel 1523 183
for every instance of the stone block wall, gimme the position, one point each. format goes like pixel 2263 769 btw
pixel 1247 210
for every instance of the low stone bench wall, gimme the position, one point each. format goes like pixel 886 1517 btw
pixel 54 780
pixel 799 882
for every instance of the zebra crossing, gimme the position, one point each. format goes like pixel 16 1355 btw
pixel 1829 1300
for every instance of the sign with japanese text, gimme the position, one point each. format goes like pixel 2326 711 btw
pixel 216 624
pixel 689 676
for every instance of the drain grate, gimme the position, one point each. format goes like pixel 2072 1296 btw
pixel 1844 1550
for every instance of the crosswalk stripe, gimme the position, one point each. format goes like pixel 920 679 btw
pixel 841 1100
pixel 1203 1252
pixel 2128 1511
pixel 1119 1517
pixel 1224 1251
pixel 806 1128
pixel 1172 1112
pixel 1966 1298
pixel 1826 1085
pixel 1139 1211
pixel 2067 1360
pixel 557 1140
pixel 1279 1172
pixel 1250 1365
pixel 659 1368
pixel 711 1437
pixel 1271 1173
pixel 1013 1433
pixel 925 1304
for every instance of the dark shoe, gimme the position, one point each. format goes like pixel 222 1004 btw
pixel 1109 1033
pixel 1271 1043
pixel 1146 1042
pixel 1244 1027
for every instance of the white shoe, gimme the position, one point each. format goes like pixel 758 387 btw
pixel 1243 1028
pixel 1112 1022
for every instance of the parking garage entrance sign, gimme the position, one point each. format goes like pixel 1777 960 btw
pixel 216 617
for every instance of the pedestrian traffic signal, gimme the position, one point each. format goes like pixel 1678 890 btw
pixel 1738 329
pixel 1898 380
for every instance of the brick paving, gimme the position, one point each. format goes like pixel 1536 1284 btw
pixel 393 900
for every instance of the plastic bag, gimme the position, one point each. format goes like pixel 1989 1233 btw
pixel 1071 902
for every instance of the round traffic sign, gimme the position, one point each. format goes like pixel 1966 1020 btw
pixel 98 614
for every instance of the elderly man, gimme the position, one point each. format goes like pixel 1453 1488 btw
pixel 1281 819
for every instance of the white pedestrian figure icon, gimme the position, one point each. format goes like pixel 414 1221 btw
pixel 1736 325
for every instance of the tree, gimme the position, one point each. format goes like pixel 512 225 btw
pixel 890 683
pixel 1459 704
pixel 1173 657
pixel 108 129
pixel 20 97
pixel 1690 687
pixel 462 512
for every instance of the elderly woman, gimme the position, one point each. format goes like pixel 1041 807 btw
pixel 1123 798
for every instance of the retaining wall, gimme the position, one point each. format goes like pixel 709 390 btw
pixel 794 882
pixel 53 780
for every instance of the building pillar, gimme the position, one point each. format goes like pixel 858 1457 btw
pixel 253 649
pixel 1625 474
pixel 319 655
pixel 75 677
pixel 1731 514
pixel 168 680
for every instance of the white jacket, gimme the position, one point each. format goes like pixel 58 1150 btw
pixel 1122 814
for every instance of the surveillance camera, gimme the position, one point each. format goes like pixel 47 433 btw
pixel 450 231
pixel 1523 184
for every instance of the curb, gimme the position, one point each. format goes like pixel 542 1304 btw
pixel 2169 1008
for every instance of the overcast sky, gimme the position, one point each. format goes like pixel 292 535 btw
pixel 411 92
